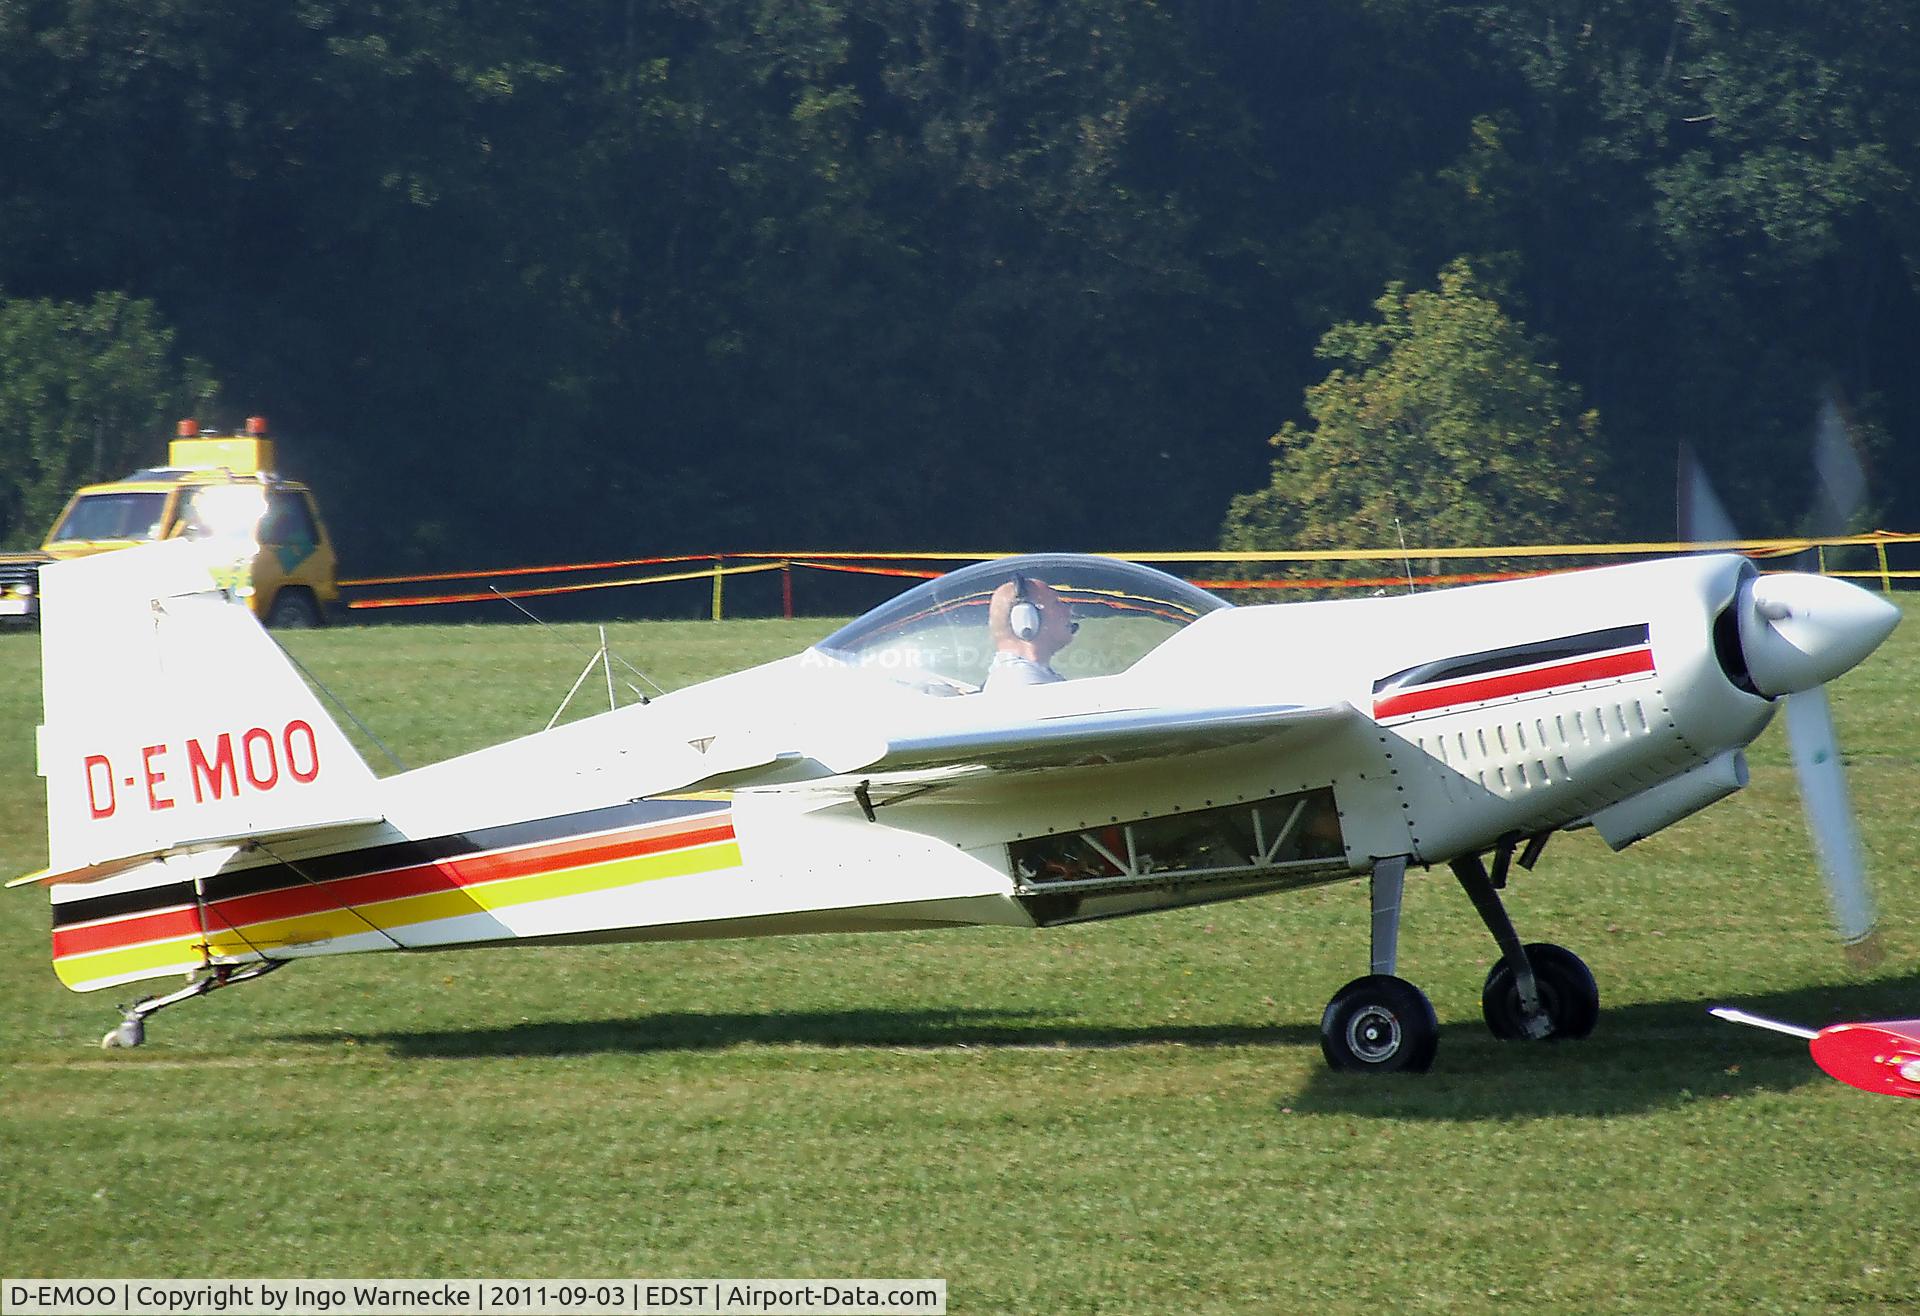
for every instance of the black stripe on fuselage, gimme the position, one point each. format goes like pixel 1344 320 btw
pixel 1518 655
pixel 380 858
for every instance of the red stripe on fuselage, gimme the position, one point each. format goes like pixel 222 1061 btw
pixel 1507 685
pixel 132 931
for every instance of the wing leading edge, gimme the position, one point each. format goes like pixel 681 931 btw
pixel 1057 743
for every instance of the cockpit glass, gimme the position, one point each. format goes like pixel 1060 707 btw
pixel 1021 621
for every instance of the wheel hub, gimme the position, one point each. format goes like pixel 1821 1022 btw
pixel 1374 1034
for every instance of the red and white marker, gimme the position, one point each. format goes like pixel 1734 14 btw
pixel 1882 1056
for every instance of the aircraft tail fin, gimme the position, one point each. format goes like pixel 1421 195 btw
pixel 173 723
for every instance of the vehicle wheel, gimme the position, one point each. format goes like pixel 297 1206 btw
pixel 1380 1024
pixel 1568 994
pixel 294 609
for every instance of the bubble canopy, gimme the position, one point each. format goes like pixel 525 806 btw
pixel 944 636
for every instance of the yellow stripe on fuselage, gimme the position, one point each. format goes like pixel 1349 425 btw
pixel 85 972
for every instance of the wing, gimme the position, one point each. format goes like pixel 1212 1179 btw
pixel 1045 744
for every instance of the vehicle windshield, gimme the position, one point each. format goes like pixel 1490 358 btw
pixel 112 516
pixel 224 511
pixel 1021 621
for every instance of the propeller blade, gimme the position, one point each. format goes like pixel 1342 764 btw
pixel 1702 516
pixel 1836 840
pixel 1796 633
pixel 1840 480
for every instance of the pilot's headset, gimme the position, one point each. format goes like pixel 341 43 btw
pixel 1024 618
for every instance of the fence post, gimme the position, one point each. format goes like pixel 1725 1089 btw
pixel 1886 574
pixel 719 563
pixel 786 588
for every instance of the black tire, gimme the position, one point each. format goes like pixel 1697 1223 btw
pixel 1568 994
pixel 294 609
pixel 1380 1025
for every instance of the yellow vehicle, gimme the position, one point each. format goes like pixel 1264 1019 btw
pixel 292 579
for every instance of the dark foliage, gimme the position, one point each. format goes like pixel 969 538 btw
pixel 526 282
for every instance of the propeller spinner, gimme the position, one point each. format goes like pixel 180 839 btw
pixel 1798 632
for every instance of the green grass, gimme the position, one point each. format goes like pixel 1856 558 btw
pixel 1131 1117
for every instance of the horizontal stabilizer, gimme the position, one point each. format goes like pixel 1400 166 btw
pixel 126 863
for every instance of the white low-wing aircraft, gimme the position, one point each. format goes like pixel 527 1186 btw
pixel 1026 742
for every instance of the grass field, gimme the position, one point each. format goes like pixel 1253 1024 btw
pixel 1130 1117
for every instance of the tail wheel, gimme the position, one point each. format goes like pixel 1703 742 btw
pixel 1380 1024
pixel 1568 995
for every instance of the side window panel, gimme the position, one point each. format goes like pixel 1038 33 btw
pixel 288 520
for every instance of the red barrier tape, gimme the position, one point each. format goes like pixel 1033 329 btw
pixel 530 571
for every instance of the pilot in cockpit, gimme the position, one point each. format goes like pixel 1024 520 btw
pixel 1030 623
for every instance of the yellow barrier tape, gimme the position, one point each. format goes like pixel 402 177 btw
pixel 1795 544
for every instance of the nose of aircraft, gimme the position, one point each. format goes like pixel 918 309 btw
pixel 1799 631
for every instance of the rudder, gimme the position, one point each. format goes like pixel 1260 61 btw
pixel 173 722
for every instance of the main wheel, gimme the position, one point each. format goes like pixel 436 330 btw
pixel 1380 1025
pixel 1568 995
pixel 294 609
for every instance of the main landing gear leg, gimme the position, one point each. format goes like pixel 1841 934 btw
pixel 1536 991
pixel 1381 1024
pixel 132 1029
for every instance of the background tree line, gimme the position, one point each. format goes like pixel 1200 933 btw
pixel 528 281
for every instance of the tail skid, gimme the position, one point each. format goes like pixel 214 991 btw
pixel 131 1031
